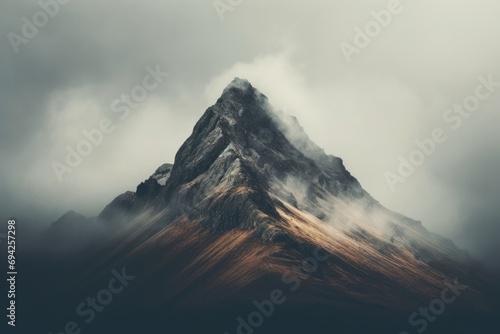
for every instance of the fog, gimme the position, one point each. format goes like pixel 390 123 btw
pixel 368 108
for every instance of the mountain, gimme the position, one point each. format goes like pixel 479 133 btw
pixel 253 211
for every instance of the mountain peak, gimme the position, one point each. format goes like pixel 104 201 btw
pixel 240 95
pixel 239 85
pixel 241 154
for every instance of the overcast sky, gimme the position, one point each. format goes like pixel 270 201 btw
pixel 367 108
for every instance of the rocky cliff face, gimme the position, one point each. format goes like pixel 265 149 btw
pixel 242 144
pixel 248 198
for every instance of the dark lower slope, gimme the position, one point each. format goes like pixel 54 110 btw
pixel 192 276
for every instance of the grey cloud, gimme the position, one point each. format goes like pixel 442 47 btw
pixel 367 112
